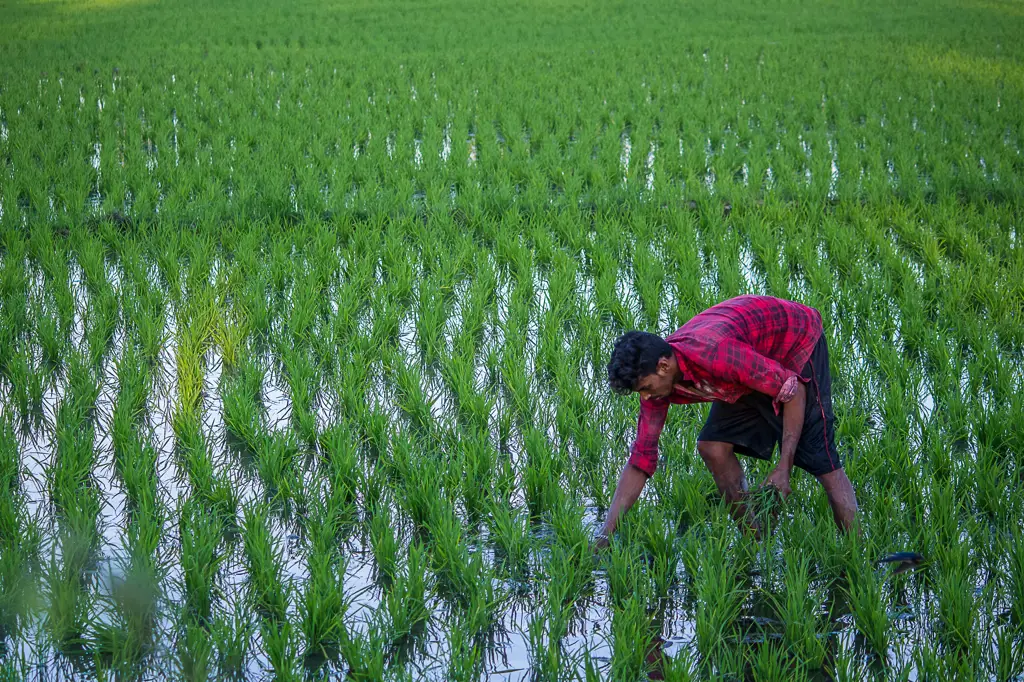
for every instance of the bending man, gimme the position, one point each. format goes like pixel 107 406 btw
pixel 763 361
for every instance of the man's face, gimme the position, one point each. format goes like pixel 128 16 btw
pixel 658 384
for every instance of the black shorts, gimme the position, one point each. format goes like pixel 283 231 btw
pixel 754 429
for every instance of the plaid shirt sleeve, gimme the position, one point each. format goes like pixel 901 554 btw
pixel 644 453
pixel 738 362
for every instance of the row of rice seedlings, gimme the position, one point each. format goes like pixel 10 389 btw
pixel 128 634
pixel 756 141
pixel 76 501
pixel 269 593
pixel 303 384
pixel 20 539
pixel 323 604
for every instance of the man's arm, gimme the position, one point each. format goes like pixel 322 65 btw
pixel 631 483
pixel 792 427
pixel 642 463
pixel 739 362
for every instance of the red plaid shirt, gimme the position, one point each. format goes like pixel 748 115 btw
pixel 744 344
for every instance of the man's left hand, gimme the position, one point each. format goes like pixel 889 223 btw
pixel 780 479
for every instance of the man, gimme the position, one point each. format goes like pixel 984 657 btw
pixel 751 356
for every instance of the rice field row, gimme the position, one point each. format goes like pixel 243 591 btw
pixel 304 322
pixel 229 143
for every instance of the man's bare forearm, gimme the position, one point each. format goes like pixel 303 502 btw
pixel 631 483
pixel 792 427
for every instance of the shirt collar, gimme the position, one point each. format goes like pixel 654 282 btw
pixel 683 366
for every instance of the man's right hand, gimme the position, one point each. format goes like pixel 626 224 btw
pixel 631 482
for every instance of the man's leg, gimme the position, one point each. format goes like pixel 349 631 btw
pixel 841 498
pixel 725 468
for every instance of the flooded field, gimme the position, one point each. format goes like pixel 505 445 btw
pixel 304 334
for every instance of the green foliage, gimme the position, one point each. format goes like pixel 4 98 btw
pixel 305 313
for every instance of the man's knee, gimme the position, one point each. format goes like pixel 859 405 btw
pixel 836 483
pixel 712 451
pixel 725 469
pixel 839 490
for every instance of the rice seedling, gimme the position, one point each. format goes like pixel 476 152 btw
pixel 797 611
pixel 302 383
pixel 200 533
pixel 243 413
pixel 464 652
pixel 547 656
pixel 276 462
pixel 125 639
pixel 719 597
pixel 383 541
pixel 449 552
pixel 771 662
pixel 1008 660
pixel 19 537
pixel 1015 579
pixel 231 634
pixel 323 604
pixel 364 656
pixel 631 626
pixel 405 600
pixel 194 654
pixel 269 592
pixel 485 602
pixel 282 650
pixel 339 448
pixel 67 605
pixel 510 531
pixel 864 592
pixel 956 598
pixel 215 490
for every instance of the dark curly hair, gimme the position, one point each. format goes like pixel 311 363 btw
pixel 635 355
